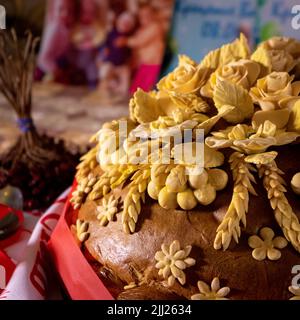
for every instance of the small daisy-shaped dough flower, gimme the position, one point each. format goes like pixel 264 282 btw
pixel 81 230
pixel 172 260
pixel 296 292
pixel 266 245
pixel 214 292
pixel 107 210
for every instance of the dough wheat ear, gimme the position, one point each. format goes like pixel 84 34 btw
pixel 284 214
pixel 236 213
pixel 132 202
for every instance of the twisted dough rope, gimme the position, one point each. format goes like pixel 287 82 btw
pixel 236 212
pixel 284 215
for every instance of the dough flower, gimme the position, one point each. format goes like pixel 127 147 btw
pixel 214 292
pixel 248 140
pixel 107 210
pixel 80 230
pixel 172 260
pixel 289 45
pixel 296 292
pixel 266 245
pixel 243 72
pixel 273 60
pixel 276 91
pixel 280 60
pixel 187 78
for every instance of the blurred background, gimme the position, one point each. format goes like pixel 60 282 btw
pixel 91 57
pixel 93 54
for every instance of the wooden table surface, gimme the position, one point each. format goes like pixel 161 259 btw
pixel 70 113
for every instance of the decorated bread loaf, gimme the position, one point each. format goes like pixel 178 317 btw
pixel 214 215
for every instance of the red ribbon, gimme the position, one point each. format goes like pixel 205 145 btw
pixel 7 268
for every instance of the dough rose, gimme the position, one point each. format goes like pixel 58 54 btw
pixel 187 78
pixel 275 91
pixel 243 72
pixel 289 45
pixel 281 60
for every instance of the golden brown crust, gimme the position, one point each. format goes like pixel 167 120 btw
pixel 129 256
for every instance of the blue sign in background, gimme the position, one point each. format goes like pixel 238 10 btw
pixel 202 25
